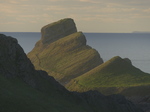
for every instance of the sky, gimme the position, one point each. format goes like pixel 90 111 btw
pixel 112 16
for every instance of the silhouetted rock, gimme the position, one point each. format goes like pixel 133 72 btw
pixel 111 103
pixel 128 60
pixel 14 63
pixel 13 59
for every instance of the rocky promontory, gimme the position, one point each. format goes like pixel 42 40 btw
pixel 24 89
pixel 57 30
pixel 63 53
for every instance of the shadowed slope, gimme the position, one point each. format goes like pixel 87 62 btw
pixel 24 89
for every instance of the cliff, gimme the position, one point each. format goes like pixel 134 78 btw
pixel 63 53
pixel 57 30
pixel 24 89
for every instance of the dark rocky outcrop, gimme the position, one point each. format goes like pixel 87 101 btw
pixel 142 101
pixel 14 63
pixel 13 60
pixel 22 88
pixel 111 103
pixel 63 53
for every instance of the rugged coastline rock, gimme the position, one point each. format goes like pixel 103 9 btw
pixel 63 53
pixel 25 89
pixel 15 64
pixel 57 30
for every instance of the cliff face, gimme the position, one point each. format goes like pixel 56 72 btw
pixel 22 88
pixel 15 64
pixel 13 60
pixel 57 30
pixel 63 53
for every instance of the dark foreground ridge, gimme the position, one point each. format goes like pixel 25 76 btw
pixel 24 89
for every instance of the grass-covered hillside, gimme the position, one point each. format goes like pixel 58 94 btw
pixel 65 58
pixel 113 76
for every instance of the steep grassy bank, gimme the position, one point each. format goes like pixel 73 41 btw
pixel 113 76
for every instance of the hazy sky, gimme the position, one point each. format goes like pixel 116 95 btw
pixel 89 15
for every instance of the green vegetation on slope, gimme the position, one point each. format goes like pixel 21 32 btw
pixel 115 73
pixel 65 58
pixel 23 89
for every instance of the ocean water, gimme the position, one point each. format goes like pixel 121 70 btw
pixel 134 46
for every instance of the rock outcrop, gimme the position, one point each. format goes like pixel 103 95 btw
pixel 12 58
pixel 14 63
pixel 63 53
pixel 25 89
pixel 57 30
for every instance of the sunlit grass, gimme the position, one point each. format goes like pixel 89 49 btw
pixel 65 58
pixel 116 72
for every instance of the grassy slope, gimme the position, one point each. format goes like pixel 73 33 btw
pixel 20 97
pixel 115 73
pixel 66 58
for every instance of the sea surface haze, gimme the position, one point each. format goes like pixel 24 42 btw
pixel 134 46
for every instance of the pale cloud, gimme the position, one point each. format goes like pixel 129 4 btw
pixel 90 1
pixel 8 10
pixel 57 0
pixel 146 10
pixel 38 12
pixel 55 8
pixel 13 2
pixel 11 23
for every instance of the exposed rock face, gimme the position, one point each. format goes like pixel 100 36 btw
pixel 57 30
pixel 142 102
pixel 63 53
pixel 111 103
pixel 13 59
pixel 14 63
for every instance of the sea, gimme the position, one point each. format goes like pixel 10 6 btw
pixel 134 46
